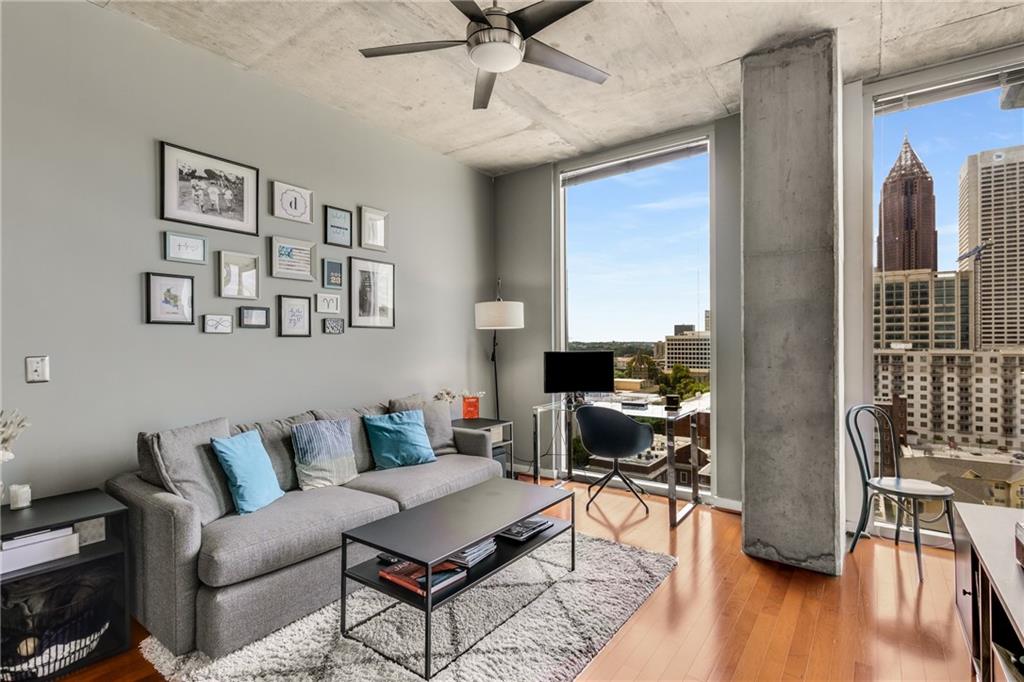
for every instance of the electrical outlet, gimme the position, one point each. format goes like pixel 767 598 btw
pixel 37 369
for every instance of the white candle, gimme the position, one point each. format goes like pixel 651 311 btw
pixel 21 495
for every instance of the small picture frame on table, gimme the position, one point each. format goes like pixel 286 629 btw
pixel 169 298
pixel 250 317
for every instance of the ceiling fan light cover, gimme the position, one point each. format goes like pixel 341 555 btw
pixel 496 56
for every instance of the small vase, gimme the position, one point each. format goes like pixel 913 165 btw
pixel 21 495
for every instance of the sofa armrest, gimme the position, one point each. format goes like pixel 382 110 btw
pixel 473 442
pixel 165 536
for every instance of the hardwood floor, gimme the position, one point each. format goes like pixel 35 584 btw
pixel 721 615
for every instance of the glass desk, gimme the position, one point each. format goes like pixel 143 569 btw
pixel 685 414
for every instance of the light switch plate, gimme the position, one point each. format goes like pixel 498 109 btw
pixel 37 369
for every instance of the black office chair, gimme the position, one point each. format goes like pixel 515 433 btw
pixel 610 434
pixel 894 488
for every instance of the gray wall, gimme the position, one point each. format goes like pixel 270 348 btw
pixel 524 205
pixel 86 95
pixel 792 269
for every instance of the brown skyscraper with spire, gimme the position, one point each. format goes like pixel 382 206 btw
pixel 907 240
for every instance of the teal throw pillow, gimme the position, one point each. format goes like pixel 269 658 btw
pixel 251 478
pixel 398 439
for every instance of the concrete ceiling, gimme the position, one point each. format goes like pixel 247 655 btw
pixel 673 64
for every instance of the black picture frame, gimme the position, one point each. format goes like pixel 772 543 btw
pixel 242 309
pixel 148 294
pixel 164 145
pixel 280 316
pixel 351 226
pixel 338 322
pixel 326 271
pixel 354 291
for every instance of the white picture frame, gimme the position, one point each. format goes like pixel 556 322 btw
pixel 238 275
pixel 294 315
pixel 208 191
pixel 184 248
pixel 374 228
pixel 169 298
pixel 371 293
pixel 291 202
pixel 292 258
pixel 328 304
pixel 218 324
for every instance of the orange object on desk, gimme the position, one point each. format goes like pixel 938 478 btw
pixel 470 407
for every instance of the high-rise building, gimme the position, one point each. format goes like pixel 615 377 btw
pixel 683 329
pixel 992 215
pixel 707 320
pixel 924 309
pixel 907 239
pixel 690 348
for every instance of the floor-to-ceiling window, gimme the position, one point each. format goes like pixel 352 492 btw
pixel 948 284
pixel 637 282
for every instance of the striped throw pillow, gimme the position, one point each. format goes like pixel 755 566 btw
pixel 323 453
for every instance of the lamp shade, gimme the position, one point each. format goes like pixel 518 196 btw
pixel 499 315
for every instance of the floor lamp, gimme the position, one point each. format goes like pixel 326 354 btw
pixel 495 316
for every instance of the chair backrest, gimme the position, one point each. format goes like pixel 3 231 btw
pixel 886 431
pixel 609 433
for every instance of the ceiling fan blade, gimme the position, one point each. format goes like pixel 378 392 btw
pixel 406 48
pixel 542 14
pixel 471 10
pixel 542 54
pixel 484 86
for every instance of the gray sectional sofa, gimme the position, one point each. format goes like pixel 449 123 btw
pixel 218 586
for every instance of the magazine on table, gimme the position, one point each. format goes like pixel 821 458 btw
pixel 524 530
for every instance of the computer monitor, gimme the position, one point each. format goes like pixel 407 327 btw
pixel 579 371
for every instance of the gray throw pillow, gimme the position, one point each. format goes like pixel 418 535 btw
pixel 277 440
pixel 437 418
pixel 323 453
pixel 188 467
pixel 360 441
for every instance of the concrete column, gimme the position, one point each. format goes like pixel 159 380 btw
pixel 792 300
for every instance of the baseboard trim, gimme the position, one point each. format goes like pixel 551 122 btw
pixel 725 504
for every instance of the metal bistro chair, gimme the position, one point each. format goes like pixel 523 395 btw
pixel 609 433
pixel 895 488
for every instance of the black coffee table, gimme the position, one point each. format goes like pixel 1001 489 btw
pixel 432 532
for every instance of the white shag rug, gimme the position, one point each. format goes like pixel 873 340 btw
pixel 534 620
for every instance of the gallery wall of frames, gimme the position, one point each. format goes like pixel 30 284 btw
pixel 207 192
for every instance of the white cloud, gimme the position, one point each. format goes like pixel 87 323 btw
pixel 681 201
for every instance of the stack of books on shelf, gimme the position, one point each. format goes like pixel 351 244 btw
pixel 524 530
pixel 37 548
pixel 471 556
pixel 413 577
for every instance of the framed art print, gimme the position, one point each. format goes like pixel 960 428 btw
pixel 184 248
pixel 329 304
pixel 292 258
pixel 294 315
pixel 371 293
pixel 239 275
pixel 337 226
pixel 374 229
pixel 250 317
pixel 169 298
pixel 333 274
pixel 200 189
pixel 217 324
pixel 334 325
pixel 292 203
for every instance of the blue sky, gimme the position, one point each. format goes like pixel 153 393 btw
pixel 638 252
pixel 943 135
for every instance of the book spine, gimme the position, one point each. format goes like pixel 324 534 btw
pixel 402 583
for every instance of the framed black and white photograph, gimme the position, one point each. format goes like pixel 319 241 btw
pixel 294 315
pixel 292 258
pixel 337 226
pixel 292 203
pixel 169 298
pixel 328 304
pixel 371 293
pixel 239 275
pixel 250 317
pixel 333 274
pixel 217 324
pixel 334 325
pixel 184 248
pixel 200 189
pixel 374 229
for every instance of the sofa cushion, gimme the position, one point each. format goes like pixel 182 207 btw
pixel 414 485
pixel 298 526
pixel 277 439
pixel 437 418
pixel 187 467
pixel 148 471
pixel 360 441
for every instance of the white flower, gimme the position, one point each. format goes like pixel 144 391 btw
pixel 6 455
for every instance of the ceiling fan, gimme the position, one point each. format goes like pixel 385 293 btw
pixel 499 40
